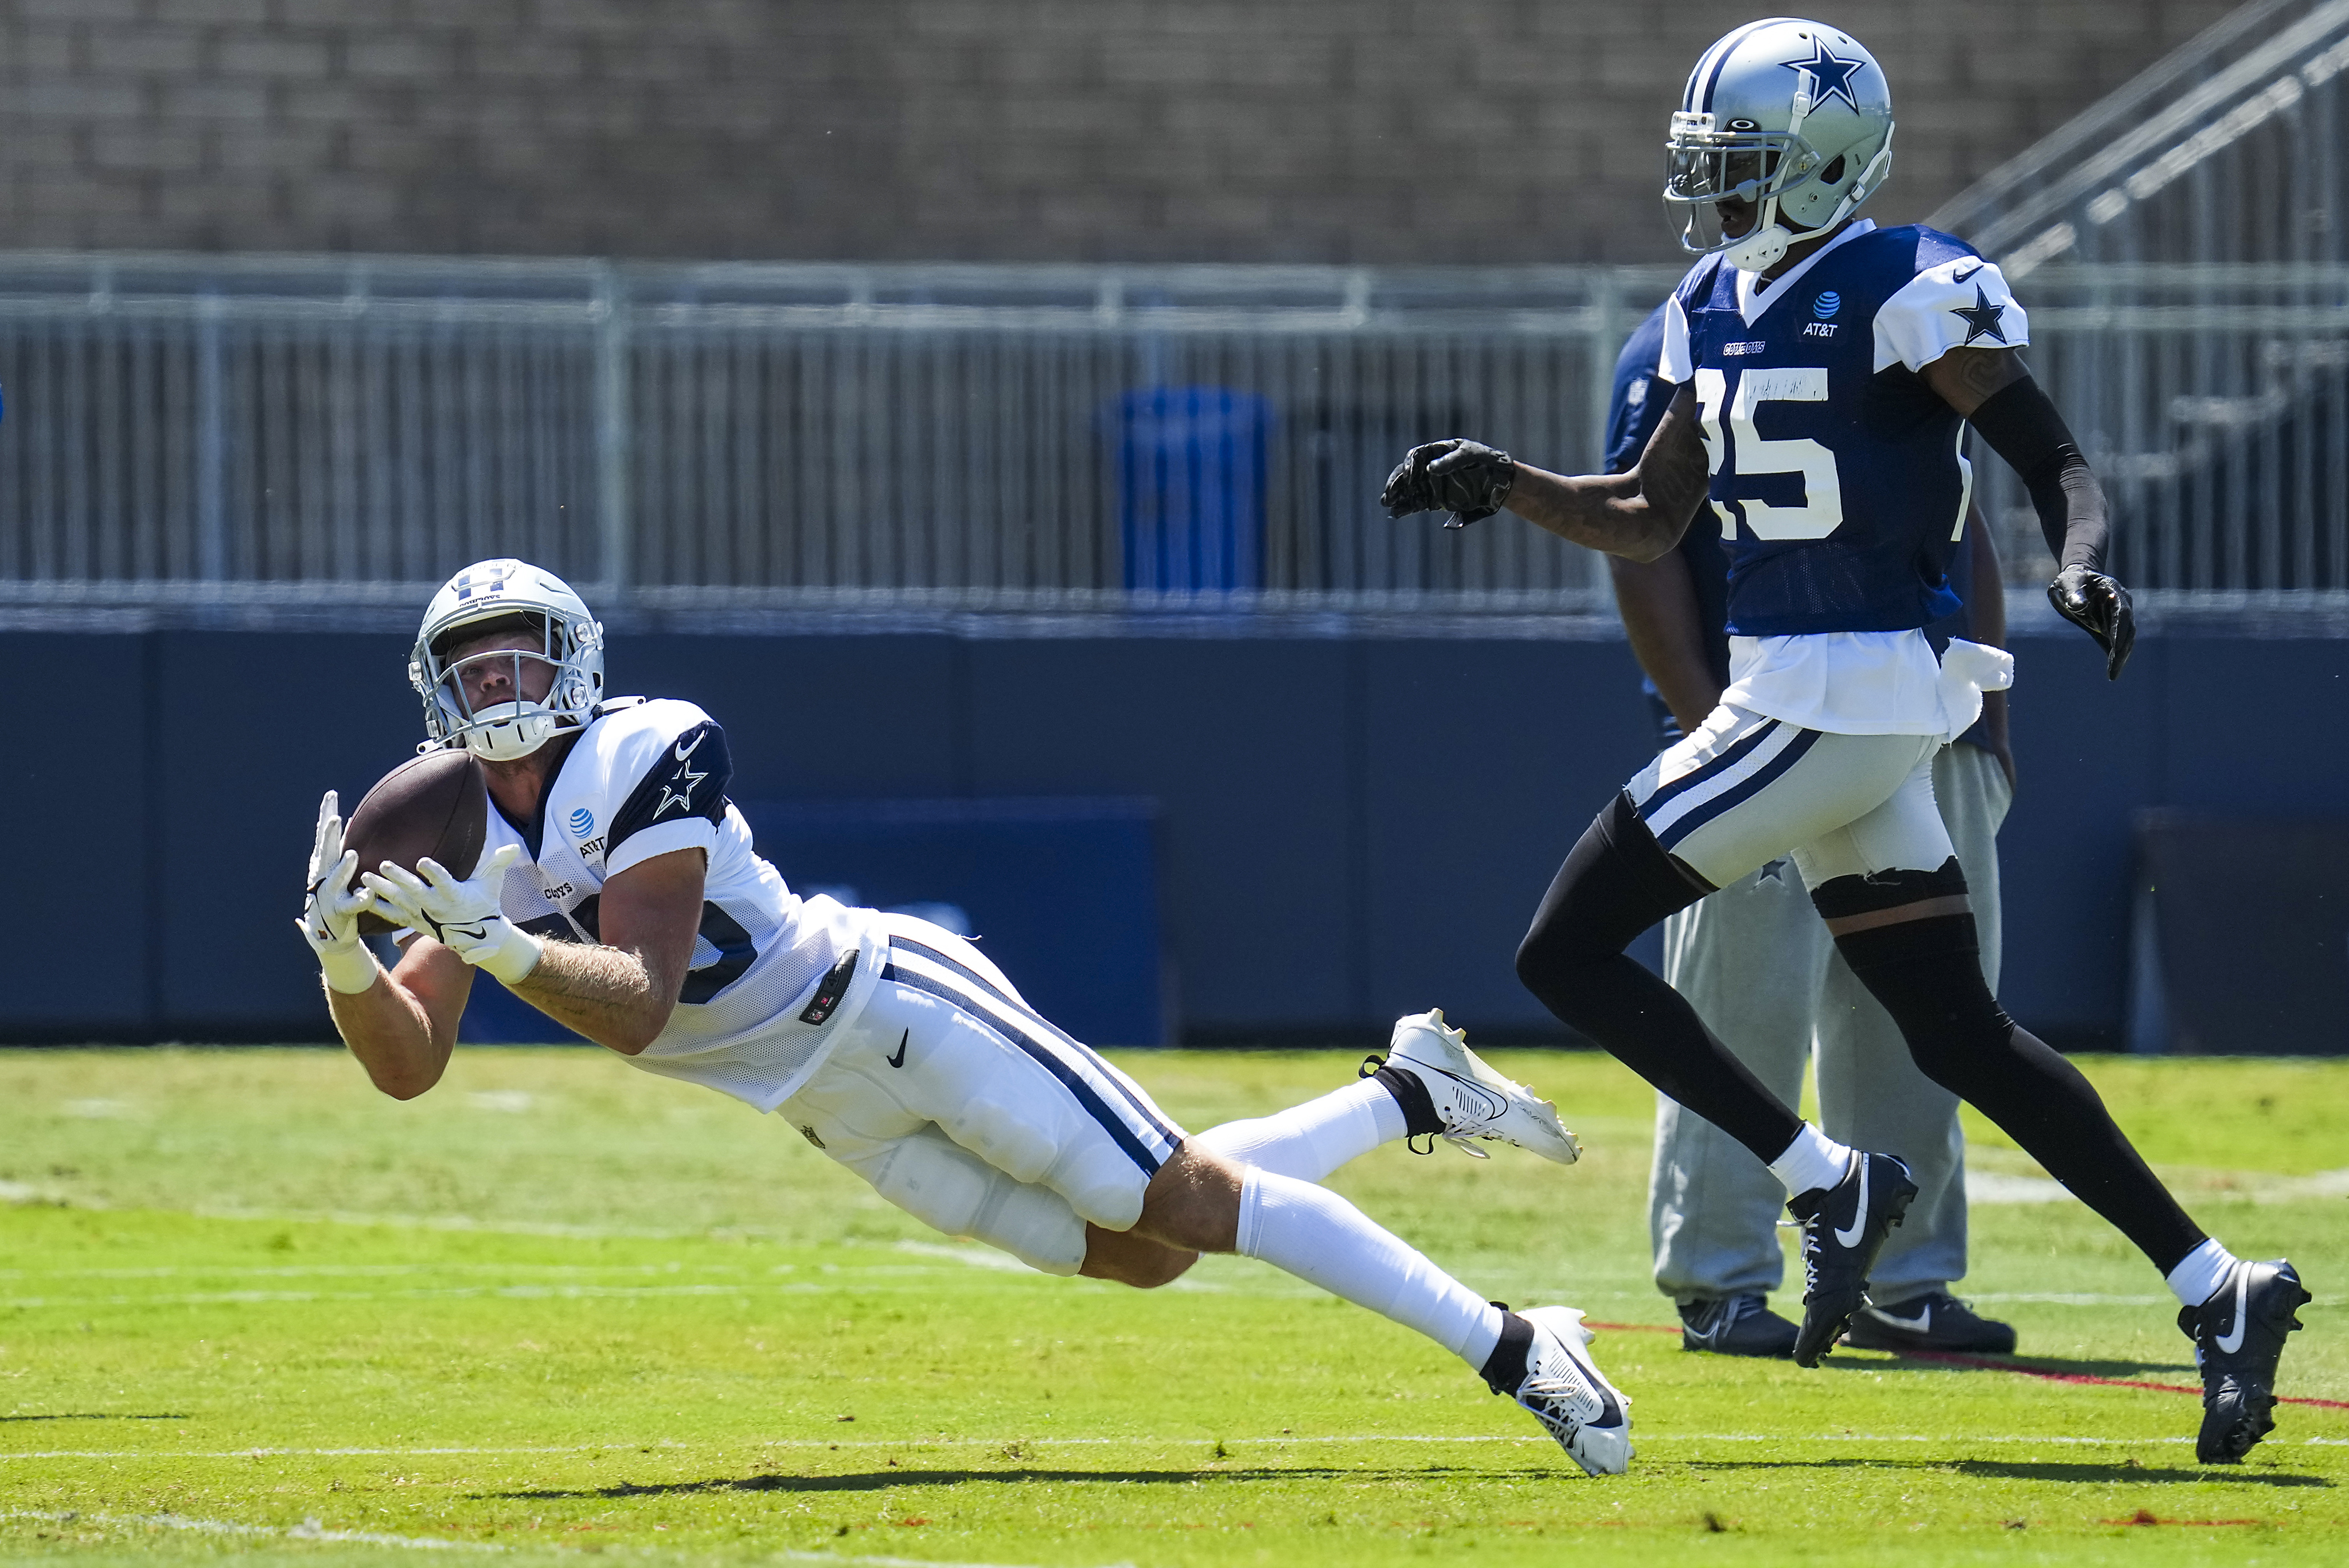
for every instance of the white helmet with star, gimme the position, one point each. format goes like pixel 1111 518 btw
pixel 507 596
pixel 1787 124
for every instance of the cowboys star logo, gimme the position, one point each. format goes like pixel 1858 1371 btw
pixel 1982 318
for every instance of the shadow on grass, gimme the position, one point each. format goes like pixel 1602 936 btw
pixel 882 1481
pixel 2018 1469
pixel 92 1416
pixel 2046 1366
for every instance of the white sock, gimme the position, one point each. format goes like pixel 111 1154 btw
pixel 1811 1161
pixel 2201 1273
pixel 1310 1141
pixel 1325 1240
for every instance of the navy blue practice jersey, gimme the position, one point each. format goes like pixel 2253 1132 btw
pixel 1839 482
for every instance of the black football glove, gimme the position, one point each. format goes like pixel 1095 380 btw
pixel 1465 478
pixel 2100 607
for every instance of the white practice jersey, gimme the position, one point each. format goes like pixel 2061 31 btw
pixel 648 778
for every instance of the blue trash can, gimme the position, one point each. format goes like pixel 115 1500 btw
pixel 1190 487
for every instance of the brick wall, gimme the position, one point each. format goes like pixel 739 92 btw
pixel 1347 130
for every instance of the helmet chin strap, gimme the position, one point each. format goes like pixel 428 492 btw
pixel 1765 247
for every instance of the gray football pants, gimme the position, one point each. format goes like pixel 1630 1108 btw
pixel 1755 962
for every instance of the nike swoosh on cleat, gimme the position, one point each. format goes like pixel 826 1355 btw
pixel 1859 1215
pixel 2232 1341
pixel 1921 1324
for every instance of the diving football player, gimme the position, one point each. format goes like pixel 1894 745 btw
pixel 618 893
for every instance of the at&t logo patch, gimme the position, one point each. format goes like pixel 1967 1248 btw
pixel 1827 305
pixel 583 823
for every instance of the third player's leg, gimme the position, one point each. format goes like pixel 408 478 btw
pixel 1748 958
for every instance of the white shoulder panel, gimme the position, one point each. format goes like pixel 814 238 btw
pixel 1672 364
pixel 1961 302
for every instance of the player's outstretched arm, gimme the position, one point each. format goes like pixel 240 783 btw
pixel 1993 391
pixel 1638 514
pixel 620 992
pixel 400 1025
pixel 404 1027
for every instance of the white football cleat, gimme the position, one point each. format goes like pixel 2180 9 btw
pixel 1571 1398
pixel 1473 1101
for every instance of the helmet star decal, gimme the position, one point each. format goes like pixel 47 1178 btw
pixel 1830 76
pixel 1982 318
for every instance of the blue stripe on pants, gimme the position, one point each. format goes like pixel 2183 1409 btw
pixel 1043 1055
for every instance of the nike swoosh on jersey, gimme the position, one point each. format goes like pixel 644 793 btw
pixel 900 1059
pixel 1859 1215
pixel 2232 1340
pixel 682 750
pixel 1961 277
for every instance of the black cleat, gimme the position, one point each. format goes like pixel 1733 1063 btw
pixel 1843 1228
pixel 1736 1325
pixel 1935 1320
pixel 2238 1338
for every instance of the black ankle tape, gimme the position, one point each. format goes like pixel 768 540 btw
pixel 1419 1118
pixel 1504 1370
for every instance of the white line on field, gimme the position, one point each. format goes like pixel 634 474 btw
pixel 550 1291
pixel 971 1256
pixel 674 1449
pixel 309 1529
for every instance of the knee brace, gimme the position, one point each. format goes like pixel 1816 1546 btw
pixel 1842 897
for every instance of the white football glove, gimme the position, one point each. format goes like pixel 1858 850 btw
pixel 330 915
pixel 462 916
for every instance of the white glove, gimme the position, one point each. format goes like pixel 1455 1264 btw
pixel 462 916
pixel 330 915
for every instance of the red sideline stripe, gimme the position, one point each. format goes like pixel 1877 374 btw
pixel 1986 1364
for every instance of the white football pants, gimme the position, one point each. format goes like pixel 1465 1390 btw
pixel 964 1107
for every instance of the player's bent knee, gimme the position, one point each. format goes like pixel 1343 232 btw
pixel 1617 882
pixel 1131 1260
pixel 1193 1202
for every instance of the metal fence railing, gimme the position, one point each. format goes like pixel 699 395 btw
pixel 186 430
pixel 342 432
pixel 2231 150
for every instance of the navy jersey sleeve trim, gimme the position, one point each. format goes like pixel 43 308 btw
pixel 688 778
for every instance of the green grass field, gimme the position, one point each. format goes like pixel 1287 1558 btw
pixel 248 1307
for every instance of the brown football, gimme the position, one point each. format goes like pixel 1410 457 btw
pixel 436 804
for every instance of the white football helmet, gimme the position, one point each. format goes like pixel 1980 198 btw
pixel 492 597
pixel 1793 119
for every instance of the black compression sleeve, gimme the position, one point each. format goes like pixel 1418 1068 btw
pixel 2023 427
